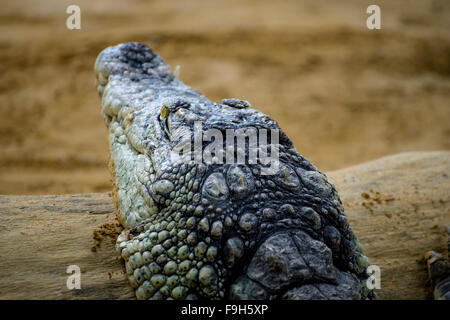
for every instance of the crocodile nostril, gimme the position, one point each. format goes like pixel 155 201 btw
pixel 236 103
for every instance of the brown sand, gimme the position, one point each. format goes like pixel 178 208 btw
pixel 343 93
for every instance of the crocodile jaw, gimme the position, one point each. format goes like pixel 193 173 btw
pixel 138 147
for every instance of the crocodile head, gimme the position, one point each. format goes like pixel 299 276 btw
pixel 215 201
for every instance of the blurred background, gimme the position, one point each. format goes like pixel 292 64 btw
pixel 344 94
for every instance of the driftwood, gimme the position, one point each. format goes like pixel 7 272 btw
pixel 397 206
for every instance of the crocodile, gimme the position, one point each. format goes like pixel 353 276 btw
pixel 235 229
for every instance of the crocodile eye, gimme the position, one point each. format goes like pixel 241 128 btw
pixel 164 112
pixel 163 117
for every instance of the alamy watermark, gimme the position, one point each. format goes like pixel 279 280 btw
pixel 74 280
pixel 374 280
pixel 73 21
pixel 374 20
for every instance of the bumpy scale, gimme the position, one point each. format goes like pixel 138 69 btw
pixel 216 231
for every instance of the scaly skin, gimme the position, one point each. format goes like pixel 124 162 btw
pixel 216 231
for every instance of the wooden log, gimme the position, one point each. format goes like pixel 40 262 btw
pixel 41 236
pixel 396 205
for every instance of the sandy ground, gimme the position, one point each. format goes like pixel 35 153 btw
pixel 343 93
